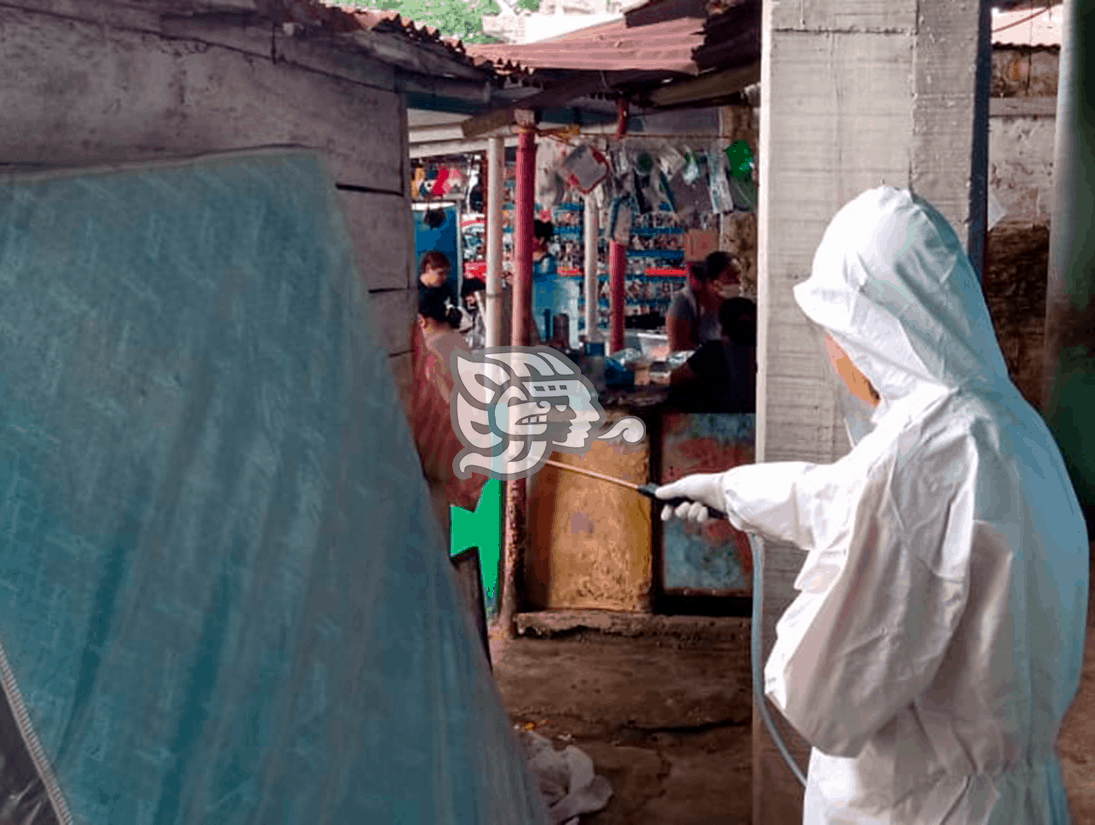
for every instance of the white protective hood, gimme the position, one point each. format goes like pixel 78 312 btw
pixel 937 638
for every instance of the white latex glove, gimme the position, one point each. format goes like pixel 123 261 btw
pixel 702 489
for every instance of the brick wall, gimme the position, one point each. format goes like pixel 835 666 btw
pixel 1021 179
pixel 1015 290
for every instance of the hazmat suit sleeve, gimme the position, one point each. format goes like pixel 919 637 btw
pixel 876 609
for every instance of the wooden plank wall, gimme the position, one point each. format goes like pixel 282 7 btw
pixel 90 83
pixel 855 94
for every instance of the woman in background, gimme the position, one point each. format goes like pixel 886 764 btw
pixel 692 317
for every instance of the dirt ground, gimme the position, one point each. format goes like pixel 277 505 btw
pixel 667 720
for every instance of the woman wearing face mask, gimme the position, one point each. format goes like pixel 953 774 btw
pixel 693 316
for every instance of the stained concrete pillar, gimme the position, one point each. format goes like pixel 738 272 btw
pixel 738 230
pixel 1070 296
pixel 854 94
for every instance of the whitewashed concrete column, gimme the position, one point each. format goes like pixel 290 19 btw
pixel 592 277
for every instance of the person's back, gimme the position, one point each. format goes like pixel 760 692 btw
pixel 1006 695
pixel 1005 572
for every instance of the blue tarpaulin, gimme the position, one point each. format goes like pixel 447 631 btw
pixel 223 594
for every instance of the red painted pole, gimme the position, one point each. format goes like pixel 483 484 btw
pixel 524 210
pixel 617 269
pixel 516 493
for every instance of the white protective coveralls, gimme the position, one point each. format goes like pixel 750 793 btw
pixel 937 638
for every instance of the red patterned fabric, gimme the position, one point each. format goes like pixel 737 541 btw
pixel 434 436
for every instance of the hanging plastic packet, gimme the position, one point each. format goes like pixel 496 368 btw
pixel 743 191
pixel 549 187
pixel 670 160
pixel 597 196
pixel 667 192
pixel 744 195
pixel 691 172
pixel 584 168
pixel 647 192
pixel 619 222
pixel 653 190
pixel 740 157
pixel 644 203
pixel 721 199
pixel 622 161
pixel 687 198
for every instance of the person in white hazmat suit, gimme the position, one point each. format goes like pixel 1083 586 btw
pixel 937 638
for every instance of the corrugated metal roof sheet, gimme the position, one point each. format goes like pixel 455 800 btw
pixel 666 47
pixel 1028 27
pixel 344 19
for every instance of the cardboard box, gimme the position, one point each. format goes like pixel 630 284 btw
pixel 699 243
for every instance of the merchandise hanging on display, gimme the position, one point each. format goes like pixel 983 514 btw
pixel 721 199
pixel 649 192
pixel 585 168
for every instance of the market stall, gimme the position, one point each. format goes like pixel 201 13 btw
pixel 660 197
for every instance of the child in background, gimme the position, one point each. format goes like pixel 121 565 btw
pixel 474 328
pixel 547 291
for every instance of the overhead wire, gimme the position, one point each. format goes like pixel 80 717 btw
pixel 1038 13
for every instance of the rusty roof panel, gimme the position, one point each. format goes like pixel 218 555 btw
pixel 666 46
pixel 343 19
pixel 1028 27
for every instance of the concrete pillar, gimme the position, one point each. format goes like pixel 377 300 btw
pixel 854 95
pixel 1069 403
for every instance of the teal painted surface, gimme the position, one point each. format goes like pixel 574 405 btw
pixel 483 529
pixel 444 238
pixel 712 557
pixel 222 590
pixel 1070 299
pixel 1071 416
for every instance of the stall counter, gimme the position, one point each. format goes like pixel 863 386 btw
pixel 597 545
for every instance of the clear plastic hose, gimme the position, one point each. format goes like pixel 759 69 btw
pixel 759 699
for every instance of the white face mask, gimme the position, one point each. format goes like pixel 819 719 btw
pixel 730 291
pixel 859 416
